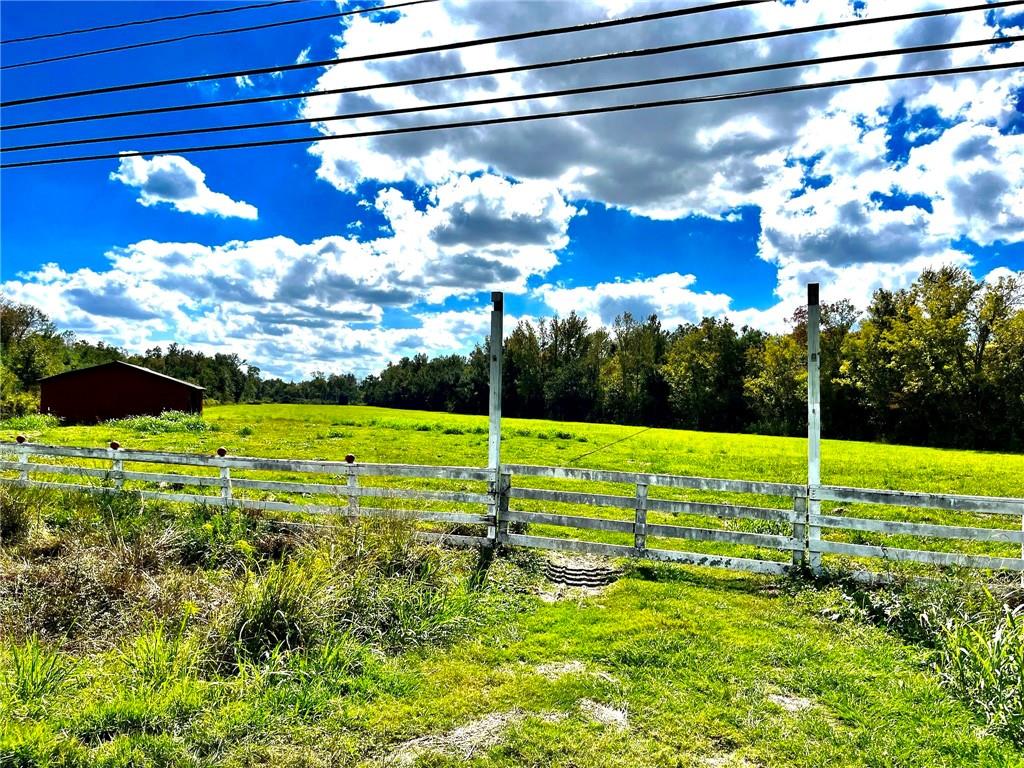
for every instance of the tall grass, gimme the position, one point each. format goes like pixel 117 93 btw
pixel 18 506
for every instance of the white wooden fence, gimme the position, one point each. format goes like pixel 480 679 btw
pixel 501 508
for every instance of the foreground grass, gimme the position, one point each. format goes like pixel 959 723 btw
pixel 684 669
pixel 669 666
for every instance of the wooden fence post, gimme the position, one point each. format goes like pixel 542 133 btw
pixel 501 510
pixel 116 465
pixel 813 420
pixel 640 523
pixel 800 531
pixel 22 451
pixel 225 486
pixel 352 481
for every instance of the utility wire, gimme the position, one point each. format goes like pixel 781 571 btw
pixel 491 100
pixel 609 445
pixel 502 70
pixel 212 33
pixel 799 87
pixel 608 23
pixel 122 24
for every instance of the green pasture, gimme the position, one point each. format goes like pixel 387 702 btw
pixel 378 435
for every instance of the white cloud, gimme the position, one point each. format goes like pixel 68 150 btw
pixel 297 307
pixel 670 296
pixel 711 158
pixel 174 180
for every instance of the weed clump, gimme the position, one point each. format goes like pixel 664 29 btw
pixel 981 660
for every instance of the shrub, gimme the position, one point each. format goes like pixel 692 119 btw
pixel 36 674
pixel 246 431
pixel 168 421
pixel 29 422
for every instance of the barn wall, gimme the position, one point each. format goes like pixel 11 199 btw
pixel 114 392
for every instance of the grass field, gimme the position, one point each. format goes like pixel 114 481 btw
pixel 148 654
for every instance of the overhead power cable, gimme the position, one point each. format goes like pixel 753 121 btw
pixel 213 33
pixel 608 23
pixel 692 45
pixel 606 109
pixel 492 100
pixel 122 24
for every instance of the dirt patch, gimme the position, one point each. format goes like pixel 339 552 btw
pixel 605 715
pixel 790 703
pixel 462 742
pixel 726 761
pixel 556 669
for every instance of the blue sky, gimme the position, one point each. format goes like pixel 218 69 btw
pixel 351 253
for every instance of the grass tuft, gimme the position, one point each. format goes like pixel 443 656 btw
pixel 35 674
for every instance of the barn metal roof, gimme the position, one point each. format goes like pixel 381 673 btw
pixel 126 365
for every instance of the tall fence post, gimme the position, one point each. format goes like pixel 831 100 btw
pixel 813 422
pixel 640 523
pixel 499 489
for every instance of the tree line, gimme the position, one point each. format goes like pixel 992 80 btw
pixel 938 363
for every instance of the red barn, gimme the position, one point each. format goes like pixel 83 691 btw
pixel 113 391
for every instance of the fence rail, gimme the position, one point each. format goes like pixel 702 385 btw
pixel 794 531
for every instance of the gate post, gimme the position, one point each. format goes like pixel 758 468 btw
pixel 813 422
pixel 501 480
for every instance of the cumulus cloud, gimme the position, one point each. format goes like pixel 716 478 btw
pixel 670 296
pixel 297 307
pixel 950 154
pixel 174 180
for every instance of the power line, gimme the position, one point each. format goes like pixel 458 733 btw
pixel 120 25
pixel 799 87
pixel 679 12
pixel 491 100
pixel 212 33
pixel 692 45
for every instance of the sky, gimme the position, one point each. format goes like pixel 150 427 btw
pixel 342 255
